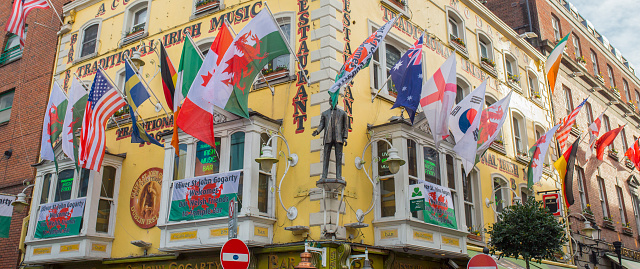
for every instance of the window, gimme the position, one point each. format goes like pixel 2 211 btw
pixel 510 65
pixel 468 187
pixel 180 162
pixel 456 28
pixel 279 67
pixel 462 89
pixel 136 21
pixel 555 23
pixel 12 49
pixel 627 94
pixel 607 127
pixel 623 212
pixel 106 199
pixel 6 102
pixel 589 113
pixel 603 198
pixel 207 158
pixel 576 46
pixel 612 81
pixel 637 99
pixel 202 6
pixel 525 193
pixel 594 62
pixel 568 100
pixel 89 40
pixel 432 165
pixel 392 52
pixel 623 136
pixel 501 195
pixel 484 44
pixel 264 178
pixel 387 184
pixel 582 190
pixel 533 84
pixel 518 128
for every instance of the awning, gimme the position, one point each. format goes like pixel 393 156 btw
pixel 629 264
pixel 511 263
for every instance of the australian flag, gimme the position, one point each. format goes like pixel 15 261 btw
pixel 407 79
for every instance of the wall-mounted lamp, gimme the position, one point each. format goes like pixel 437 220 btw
pixel 305 257
pixel 136 59
pixel 142 244
pixel 20 204
pixel 366 263
pixel 267 160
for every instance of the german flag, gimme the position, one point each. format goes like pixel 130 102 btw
pixel 169 76
pixel 564 165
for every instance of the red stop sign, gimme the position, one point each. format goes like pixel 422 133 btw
pixel 234 255
pixel 482 261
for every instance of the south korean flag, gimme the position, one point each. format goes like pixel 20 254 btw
pixel 464 113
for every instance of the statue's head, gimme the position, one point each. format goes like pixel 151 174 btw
pixel 333 99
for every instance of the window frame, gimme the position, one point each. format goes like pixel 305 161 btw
pixel 12 91
pixel 7 52
pixel 377 68
pixel 623 137
pixel 488 43
pixel 284 18
pixel 612 79
pixel 129 17
pixel 80 43
pixel 464 90
pixel 583 192
pixel 604 202
pixel 622 209
pixel 576 46
pixel 514 70
pixel 568 98
pixel 594 63
pixel 518 124
pixel 533 83
pixel 454 17
pixel 589 114
pixel 627 93
pixel 557 30
pixel 196 14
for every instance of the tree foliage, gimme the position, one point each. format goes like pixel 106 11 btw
pixel 527 230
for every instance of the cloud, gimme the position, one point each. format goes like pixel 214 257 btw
pixel 618 21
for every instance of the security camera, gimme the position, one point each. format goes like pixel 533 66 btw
pixel 453 264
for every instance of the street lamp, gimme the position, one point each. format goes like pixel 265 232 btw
pixel 393 162
pixel 21 200
pixel 267 160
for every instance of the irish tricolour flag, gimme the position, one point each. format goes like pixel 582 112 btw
pixel 359 59
pixel 6 210
pixel 259 42
pixel 552 64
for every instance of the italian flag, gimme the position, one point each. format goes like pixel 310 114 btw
pixel 190 63
pixel 53 121
pixel 552 64
pixel 6 210
pixel 73 118
pixel 259 42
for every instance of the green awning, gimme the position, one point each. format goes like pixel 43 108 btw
pixel 511 263
pixel 629 264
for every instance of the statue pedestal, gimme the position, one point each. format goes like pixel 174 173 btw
pixel 331 184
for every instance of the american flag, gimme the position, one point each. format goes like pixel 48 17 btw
pixel 21 9
pixel 104 100
pixel 567 123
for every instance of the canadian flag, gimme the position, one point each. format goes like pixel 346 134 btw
pixel 196 114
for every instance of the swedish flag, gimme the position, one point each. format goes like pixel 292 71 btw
pixel 136 94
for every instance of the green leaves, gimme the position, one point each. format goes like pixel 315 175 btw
pixel 527 230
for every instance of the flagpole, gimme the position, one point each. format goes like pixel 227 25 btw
pixel 273 91
pixel 62 89
pixel 124 97
pixel 86 89
pixel 287 43
pixel 56 11
pixel 381 87
pixel 145 83
pixel 194 46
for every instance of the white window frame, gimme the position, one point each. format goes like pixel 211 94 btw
pixel 379 67
pixel 487 43
pixel 466 89
pixel 556 28
pixel 581 187
pixel 454 17
pixel 627 93
pixel 533 83
pixel 476 215
pixel 576 46
pixel 623 218
pixel 194 15
pixel 284 18
pixel 602 197
pixel 129 17
pixel 8 109
pixel 594 62
pixel 612 80
pixel 506 197
pixel 520 139
pixel 81 33
pixel 513 63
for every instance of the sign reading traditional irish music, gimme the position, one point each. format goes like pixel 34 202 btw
pixel 435 202
pixel 60 218
pixel 144 202
pixel 6 210
pixel 203 197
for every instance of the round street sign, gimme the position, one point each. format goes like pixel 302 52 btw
pixel 482 261
pixel 234 255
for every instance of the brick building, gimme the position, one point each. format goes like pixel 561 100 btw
pixel 26 79
pixel 606 191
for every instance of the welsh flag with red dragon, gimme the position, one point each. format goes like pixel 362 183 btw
pixel 537 153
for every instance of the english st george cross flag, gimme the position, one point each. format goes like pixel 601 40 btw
pixel 463 115
pixel 437 98
pixel 566 124
pixel 196 114
pixel 538 152
pixel 73 118
pixel 53 122
pixel 594 131
pixel 259 42
pixel 104 100
pixel 22 8
pixel 359 59
pixel 407 79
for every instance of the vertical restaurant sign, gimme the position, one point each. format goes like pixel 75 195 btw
pixel 60 218
pixel 203 197
pixel 6 210
pixel 346 52
pixel 436 202
pixel 301 97
pixel 144 201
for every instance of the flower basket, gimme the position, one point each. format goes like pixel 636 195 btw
pixel 513 78
pixel 135 31
pixel 475 237
pixel 627 231
pixel 399 3
pixel 458 44
pixel 628 163
pixel 581 60
pixel 272 74
pixel 204 5
pixel 608 223
pixel 613 153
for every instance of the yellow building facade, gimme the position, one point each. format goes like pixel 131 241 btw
pixel 125 221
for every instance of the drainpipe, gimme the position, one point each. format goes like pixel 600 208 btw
pixel 529 17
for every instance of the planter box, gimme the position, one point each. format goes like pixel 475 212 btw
pixel 459 47
pixel 627 231
pixel 515 85
pixel 609 225
pixel 628 164
pixel 599 78
pixel 589 217
pixel 613 155
pixel 275 75
pixel 475 237
pixel 207 6
pixel 498 147
pixel 523 158
pixel 489 68
pixel 397 3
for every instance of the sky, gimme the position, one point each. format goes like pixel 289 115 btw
pixel 618 21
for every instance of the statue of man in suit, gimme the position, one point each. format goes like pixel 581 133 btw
pixel 334 122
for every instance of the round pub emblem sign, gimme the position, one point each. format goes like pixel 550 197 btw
pixel 145 198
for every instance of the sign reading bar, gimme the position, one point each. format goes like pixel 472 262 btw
pixel 436 202
pixel 203 197
pixel 60 218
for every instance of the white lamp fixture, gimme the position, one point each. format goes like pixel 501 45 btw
pixel 588 230
pixel 20 203
pixel 136 59
pixel 266 160
pixel 394 161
